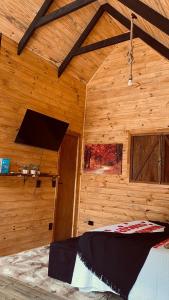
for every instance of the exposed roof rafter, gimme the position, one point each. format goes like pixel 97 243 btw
pixel 138 32
pixel 148 39
pixel 148 14
pixel 31 28
pixel 136 6
pixel 42 19
pixel 80 41
pixel 63 11
pixel 105 43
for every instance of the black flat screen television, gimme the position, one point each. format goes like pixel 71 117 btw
pixel 41 131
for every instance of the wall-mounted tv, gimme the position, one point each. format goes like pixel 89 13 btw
pixel 41 131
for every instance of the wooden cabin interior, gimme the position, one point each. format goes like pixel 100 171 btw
pixel 102 68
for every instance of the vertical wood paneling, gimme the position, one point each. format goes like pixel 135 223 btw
pixel 115 110
pixel 28 81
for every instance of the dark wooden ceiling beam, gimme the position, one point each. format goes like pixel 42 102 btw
pixel 137 6
pixel 104 43
pixel 32 26
pixel 153 43
pixel 63 11
pixel 148 39
pixel 80 41
pixel 148 13
pixel 40 19
pixel 138 32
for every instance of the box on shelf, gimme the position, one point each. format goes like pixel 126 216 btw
pixel 4 165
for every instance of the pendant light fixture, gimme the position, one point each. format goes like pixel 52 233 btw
pixel 131 50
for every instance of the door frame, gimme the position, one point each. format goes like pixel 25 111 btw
pixel 78 184
pixel 76 187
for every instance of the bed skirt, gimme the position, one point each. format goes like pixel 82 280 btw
pixel 62 256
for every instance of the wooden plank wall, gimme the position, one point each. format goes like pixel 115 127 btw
pixel 113 112
pixel 28 81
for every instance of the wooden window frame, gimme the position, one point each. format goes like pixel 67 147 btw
pixel 161 135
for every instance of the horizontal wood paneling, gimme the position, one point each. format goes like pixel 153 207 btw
pixel 28 81
pixel 113 112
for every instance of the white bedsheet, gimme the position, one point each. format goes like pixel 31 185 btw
pixel 153 280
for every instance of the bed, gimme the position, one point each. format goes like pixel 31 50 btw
pixel 152 282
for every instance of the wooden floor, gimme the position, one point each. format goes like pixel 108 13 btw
pixel 12 289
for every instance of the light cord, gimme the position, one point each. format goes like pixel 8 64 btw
pixel 131 51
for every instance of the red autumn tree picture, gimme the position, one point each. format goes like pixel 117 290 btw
pixel 103 158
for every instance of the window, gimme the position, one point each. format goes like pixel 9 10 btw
pixel 150 158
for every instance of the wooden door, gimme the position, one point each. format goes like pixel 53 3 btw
pixel 65 202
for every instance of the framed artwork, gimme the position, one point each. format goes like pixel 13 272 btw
pixel 103 158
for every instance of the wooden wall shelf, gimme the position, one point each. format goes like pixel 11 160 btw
pixel 36 176
pixel 29 175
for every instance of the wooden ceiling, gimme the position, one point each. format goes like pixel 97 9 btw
pixel 54 40
pixel 161 6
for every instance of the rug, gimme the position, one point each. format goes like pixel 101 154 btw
pixel 31 267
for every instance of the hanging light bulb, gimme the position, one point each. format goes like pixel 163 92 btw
pixel 130 81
